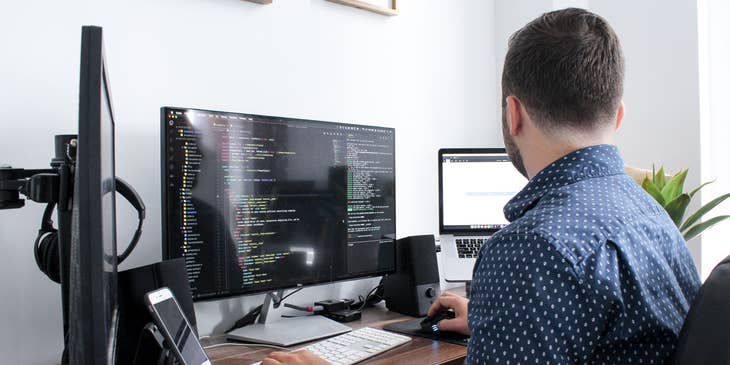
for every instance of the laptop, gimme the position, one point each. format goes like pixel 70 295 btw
pixel 474 186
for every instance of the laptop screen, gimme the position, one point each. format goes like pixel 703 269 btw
pixel 474 185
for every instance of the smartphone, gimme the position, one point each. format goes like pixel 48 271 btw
pixel 175 327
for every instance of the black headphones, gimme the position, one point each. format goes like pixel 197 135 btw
pixel 46 244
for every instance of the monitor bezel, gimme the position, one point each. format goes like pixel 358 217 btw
pixel 447 151
pixel 167 247
pixel 91 341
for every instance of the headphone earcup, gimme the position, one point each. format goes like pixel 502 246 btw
pixel 47 256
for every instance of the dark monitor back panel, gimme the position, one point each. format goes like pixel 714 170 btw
pixel 258 203
pixel 93 266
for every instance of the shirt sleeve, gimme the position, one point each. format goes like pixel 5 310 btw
pixel 528 306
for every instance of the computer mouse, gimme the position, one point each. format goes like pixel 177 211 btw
pixel 430 323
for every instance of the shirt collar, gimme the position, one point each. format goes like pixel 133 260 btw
pixel 588 162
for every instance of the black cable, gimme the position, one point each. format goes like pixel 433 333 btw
pixel 367 297
pixel 370 299
pixel 293 306
pixel 310 308
pixel 287 296
pixel 247 319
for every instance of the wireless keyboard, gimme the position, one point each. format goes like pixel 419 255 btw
pixel 355 346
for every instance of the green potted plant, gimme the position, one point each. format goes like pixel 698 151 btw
pixel 669 192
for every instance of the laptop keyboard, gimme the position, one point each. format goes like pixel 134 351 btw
pixel 468 248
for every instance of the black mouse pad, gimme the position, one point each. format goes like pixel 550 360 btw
pixel 413 328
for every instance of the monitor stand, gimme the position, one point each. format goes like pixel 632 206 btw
pixel 272 329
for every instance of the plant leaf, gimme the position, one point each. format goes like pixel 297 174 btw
pixel 677 207
pixel 650 188
pixel 660 179
pixel 674 186
pixel 692 194
pixel 704 209
pixel 699 228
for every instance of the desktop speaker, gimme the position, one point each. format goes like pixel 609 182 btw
pixel 133 312
pixel 415 285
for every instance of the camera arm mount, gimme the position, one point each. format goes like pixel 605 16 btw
pixel 37 185
pixel 54 185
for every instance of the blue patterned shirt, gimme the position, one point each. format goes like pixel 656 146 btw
pixel 590 270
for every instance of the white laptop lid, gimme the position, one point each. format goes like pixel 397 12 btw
pixel 474 186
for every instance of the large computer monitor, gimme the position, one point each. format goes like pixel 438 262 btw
pixel 258 203
pixel 93 266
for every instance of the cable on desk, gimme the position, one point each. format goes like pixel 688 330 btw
pixel 374 296
pixel 309 308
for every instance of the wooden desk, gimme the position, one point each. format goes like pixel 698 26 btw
pixel 418 351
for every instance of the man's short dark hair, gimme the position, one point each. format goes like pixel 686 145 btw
pixel 567 68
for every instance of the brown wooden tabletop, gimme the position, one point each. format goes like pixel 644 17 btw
pixel 418 351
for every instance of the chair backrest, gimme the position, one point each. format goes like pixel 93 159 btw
pixel 705 335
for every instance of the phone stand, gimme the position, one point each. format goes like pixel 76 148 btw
pixel 133 313
pixel 152 348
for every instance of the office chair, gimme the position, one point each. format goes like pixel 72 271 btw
pixel 705 335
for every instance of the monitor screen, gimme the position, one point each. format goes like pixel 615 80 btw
pixel 475 186
pixel 93 266
pixel 257 203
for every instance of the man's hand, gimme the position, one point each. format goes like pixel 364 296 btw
pixel 301 357
pixel 459 304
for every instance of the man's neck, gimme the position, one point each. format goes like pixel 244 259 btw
pixel 545 151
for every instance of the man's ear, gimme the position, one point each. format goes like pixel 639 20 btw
pixel 515 118
pixel 619 115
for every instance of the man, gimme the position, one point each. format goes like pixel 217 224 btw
pixel 591 269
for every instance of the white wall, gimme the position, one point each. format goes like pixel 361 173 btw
pixel 428 72
pixel 714 54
